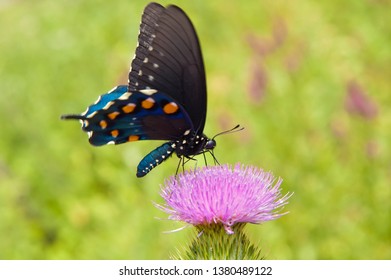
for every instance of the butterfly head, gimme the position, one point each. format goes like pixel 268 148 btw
pixel 210 144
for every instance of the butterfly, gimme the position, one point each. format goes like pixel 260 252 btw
pixel 166 97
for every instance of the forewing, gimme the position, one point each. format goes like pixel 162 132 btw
pixel 168 58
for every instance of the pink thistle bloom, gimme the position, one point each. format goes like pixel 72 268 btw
pixel 223 195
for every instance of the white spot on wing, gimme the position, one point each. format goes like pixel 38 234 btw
pixel 155 65
pixel 125 96
pixel 151 78
pixel 85 112
pixel 100 97
pixel 134 56
pixel 107 106
pixel 113 89
pixel 148 91
pixel 92 114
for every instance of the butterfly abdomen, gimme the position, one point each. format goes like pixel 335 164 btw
pixel 154 158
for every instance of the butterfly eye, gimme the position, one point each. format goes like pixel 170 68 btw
pixel 210 144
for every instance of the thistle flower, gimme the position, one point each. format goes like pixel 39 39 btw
pixel 220 194
pixel 222 197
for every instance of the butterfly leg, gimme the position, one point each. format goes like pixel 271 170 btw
pixel 179 164
pixel 206 162
pixel 182 161
pixel 189 158
pixel 214 157
pixel 196 162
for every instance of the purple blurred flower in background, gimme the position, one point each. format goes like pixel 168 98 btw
pixel 359 102
pixel 222 195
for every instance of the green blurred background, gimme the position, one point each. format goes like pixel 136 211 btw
pixel 309 80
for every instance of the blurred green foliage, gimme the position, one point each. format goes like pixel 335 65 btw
pixel 309 80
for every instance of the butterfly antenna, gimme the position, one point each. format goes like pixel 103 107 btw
pixel 237 128
pixel 232 130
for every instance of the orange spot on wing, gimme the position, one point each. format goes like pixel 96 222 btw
pixel 129 108
pixel 113 115
pixel 148 103
pixel 114 133
pixel 133 138
pixel 170 108
pixel 103 124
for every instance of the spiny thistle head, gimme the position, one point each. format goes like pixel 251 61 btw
pixel 223 195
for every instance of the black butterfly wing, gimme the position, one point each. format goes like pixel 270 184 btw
pixel 168 58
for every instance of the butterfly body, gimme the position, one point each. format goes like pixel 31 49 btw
pixel 166 95
pixel 187 146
